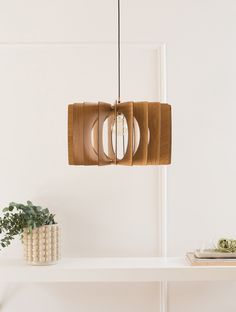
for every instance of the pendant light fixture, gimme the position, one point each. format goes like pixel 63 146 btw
pixel 129 133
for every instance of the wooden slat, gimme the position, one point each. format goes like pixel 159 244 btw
pixel 127 110
pixel 166 136
pixel 75 134
pixel 78 140
pixel 95 136
pixel 141 115
pixel 104 111
pixel 70 135
pixel 111 122
pixel 154 125
pixel 90 114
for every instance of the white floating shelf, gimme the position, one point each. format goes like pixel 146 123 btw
pixel 113 270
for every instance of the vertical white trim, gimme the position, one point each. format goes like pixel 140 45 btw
pixel 163 169
pixel 162 191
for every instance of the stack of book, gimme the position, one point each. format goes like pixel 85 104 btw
pixel 210 257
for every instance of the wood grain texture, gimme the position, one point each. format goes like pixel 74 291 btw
pixel 111 123
pixel 127 110
pixel 90 116
pixel 78 129
pixel 95 136
pixel 154 125
pixel 86 120
pixel 70 135
pixel 104 112
pixel 140 110
pixel 166 135
pixel 75 134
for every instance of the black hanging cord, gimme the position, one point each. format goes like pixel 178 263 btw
pixel 118 71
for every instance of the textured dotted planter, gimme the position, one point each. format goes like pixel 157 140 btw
pixel 41 246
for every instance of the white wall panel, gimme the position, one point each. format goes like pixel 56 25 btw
pixel 103 211
pixel 81 297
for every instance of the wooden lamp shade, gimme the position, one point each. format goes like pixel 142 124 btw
pixel 87 140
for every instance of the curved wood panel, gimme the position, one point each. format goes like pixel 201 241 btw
pixel 141 115
pixel 154 125
pixel 165 148
pixel 70 135
pixel 95 136
pixel 111 122
pixel 104 111
pixel 127 110
pixel 90 115
pixel 75 134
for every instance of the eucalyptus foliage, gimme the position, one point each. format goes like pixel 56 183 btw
pixel 17 217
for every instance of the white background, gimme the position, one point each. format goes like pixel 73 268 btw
pixel 112 211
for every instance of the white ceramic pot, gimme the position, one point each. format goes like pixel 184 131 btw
pixel 42 245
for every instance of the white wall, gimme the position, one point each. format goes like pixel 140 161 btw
pixel 37 81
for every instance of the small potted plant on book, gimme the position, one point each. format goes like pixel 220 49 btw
pixel 219 253
pixel 37 228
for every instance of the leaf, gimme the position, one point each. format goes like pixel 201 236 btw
pixel 45 210
pixel 13 204
pixel 25 216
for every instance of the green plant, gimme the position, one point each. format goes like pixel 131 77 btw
pixel 17 217
pixel 226 245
